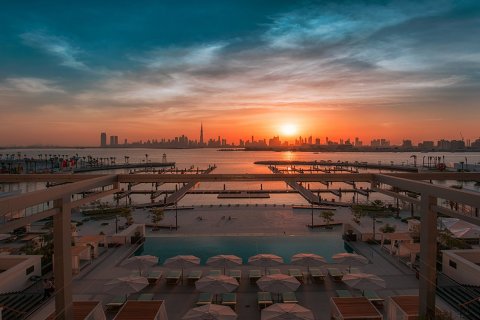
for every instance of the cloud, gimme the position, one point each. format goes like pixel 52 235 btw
pixel 31 85
pixel 181 57
pixel 56 46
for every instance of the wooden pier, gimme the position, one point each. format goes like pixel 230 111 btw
pixel 124 166
pixel 336 166
pixel 307 194
pixel 180 193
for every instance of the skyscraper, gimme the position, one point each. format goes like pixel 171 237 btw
pixel 103 139
pixel 201 134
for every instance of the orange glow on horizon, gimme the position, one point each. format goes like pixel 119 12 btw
pixel 289 129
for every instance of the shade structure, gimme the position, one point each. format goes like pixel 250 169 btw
pixel 265 260
pixel 224 261
pixel 210 312
pixel 308 260
pixel 182 262
pixel 278 283
pixel 287 311
pixel 125 285
pixel 140 262
pixel 216 284
pixel 352 259
pixel 364 281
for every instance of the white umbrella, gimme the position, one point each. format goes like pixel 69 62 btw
pixel 287 311
pixel 265 260
pixel 364 281
pixel 466 233
pixel 210 312
pixel 308 259
pixel 125 285
pixel 140 262
pixel 182 262
pixel 224 261
pixel 216 284
pixel 278 283
pixel 352 259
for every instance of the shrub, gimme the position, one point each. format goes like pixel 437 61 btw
pixel 388 228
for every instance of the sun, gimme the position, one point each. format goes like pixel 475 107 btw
pixel 288 129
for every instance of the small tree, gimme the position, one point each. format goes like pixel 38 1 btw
pixel 358 213
pixel 388 228
pixel 378 204
pixel 127 214
pixel 157 215
pixel 327 216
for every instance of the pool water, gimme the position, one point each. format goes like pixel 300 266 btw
pixel 324 244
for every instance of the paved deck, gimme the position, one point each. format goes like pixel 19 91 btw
pixel 88 285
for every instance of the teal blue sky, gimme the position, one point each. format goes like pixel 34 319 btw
pixel 148 69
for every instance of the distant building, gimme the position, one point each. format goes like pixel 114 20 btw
pixel 476 144
pixel 358 143
pixel 426 145
pixel 113 141
pixel 103 139
pixel 407 144
pixel 201 134
pixel 275 142
pixel 444 145
pixel 457 145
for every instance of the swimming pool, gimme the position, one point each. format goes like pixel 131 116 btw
pixel 324 244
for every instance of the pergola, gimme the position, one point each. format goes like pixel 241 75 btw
pixel 96 186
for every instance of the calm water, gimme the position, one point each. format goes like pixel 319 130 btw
pixel 325 244
pixel 241 162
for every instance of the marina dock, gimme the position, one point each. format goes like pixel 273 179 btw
pixel 337 166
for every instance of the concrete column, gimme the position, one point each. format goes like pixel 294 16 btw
pixel 62 261
pixel 428 256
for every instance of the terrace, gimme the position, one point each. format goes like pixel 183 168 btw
pixel 98 186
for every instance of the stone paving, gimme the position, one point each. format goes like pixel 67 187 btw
pixel 88 285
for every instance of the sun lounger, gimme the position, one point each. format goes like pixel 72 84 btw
pixel 215 272
pixel 145 297
pixel 354 270
pixel 264 299
pixel 173 276
pixel 254 275
pixel 296 273
pixel 229 299
pixel 274 271
pixel 193 276
pixel 336 274
pixel 344 293
pixel 374 298
pixel 154 276
pixel 289 297
pixel 317 274
pixel 204 298
pixel 116 302
pixel 237 274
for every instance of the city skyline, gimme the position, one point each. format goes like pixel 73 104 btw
pixel 330 68
pixel 302 143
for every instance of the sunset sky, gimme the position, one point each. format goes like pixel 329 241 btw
pixel 151 69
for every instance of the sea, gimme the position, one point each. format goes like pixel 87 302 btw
pixel 241 162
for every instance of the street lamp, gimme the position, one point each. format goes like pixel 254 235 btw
pixel 312 214
pixel 374 221
pixel 176 217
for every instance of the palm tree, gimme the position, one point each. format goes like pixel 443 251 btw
pixel 414 159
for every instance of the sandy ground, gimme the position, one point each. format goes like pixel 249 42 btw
pixel 237 220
